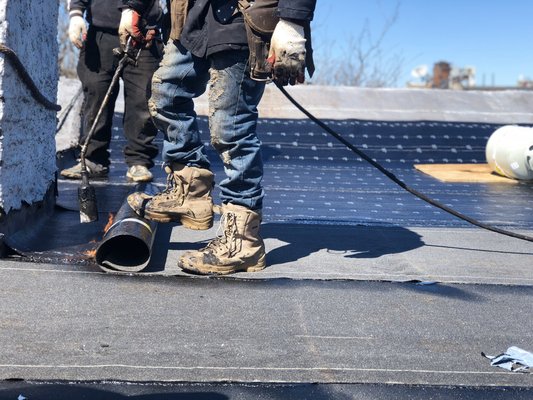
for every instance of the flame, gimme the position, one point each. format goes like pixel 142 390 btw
pixel 90 253
pixel 110 221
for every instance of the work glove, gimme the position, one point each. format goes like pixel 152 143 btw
pixel 131 25
pixel 77 31
pixel 287 53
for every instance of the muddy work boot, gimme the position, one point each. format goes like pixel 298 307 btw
pixel 186 199
pixel 94 171
pixel 238 248
pixel 139 173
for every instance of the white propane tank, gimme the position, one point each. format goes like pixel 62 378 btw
pixel 509 152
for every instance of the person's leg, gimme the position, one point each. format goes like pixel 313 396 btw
pixel 180 78
pixel 96 67
pixel 233 100
pixel 99 65
pixel 187 198
pixel 139 128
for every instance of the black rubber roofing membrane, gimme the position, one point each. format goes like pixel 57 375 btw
pixel 310 178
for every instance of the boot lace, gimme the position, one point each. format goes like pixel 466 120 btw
pixel 227 240
pixel 174 189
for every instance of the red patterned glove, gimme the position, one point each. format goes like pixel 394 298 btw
pixel 130 25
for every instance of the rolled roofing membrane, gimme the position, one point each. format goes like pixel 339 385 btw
pixel 127 243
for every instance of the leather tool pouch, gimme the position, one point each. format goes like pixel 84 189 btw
pixel 260 19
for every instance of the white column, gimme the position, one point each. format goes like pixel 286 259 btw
pixel 27 128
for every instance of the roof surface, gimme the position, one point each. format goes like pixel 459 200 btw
pixel 365 283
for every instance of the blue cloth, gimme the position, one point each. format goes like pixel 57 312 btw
pixel 514 359
pixel 233 100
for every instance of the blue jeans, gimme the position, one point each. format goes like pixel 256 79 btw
pixel 233 98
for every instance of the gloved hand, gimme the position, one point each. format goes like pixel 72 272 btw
pixel 287 53
pixel 131 25
pixel 77 30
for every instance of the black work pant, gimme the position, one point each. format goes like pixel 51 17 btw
pixel 96 67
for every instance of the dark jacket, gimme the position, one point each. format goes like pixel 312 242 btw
pixel 302 10
pixel 289 9
pixel 213 26
pixel 208 26
pixel 106 13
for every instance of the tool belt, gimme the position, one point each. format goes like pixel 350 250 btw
pixel 260 19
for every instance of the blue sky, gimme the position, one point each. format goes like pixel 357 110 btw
pixel 494 36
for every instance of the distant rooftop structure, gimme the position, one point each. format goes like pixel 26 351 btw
pixel 525 83
pixel 444 76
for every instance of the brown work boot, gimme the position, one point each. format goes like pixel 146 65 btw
pixel 186 199
pixel 239 248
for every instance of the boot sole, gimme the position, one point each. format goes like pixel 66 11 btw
pixel 73 177
pixel 130 179
pixel 221 270
pixel 197 224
